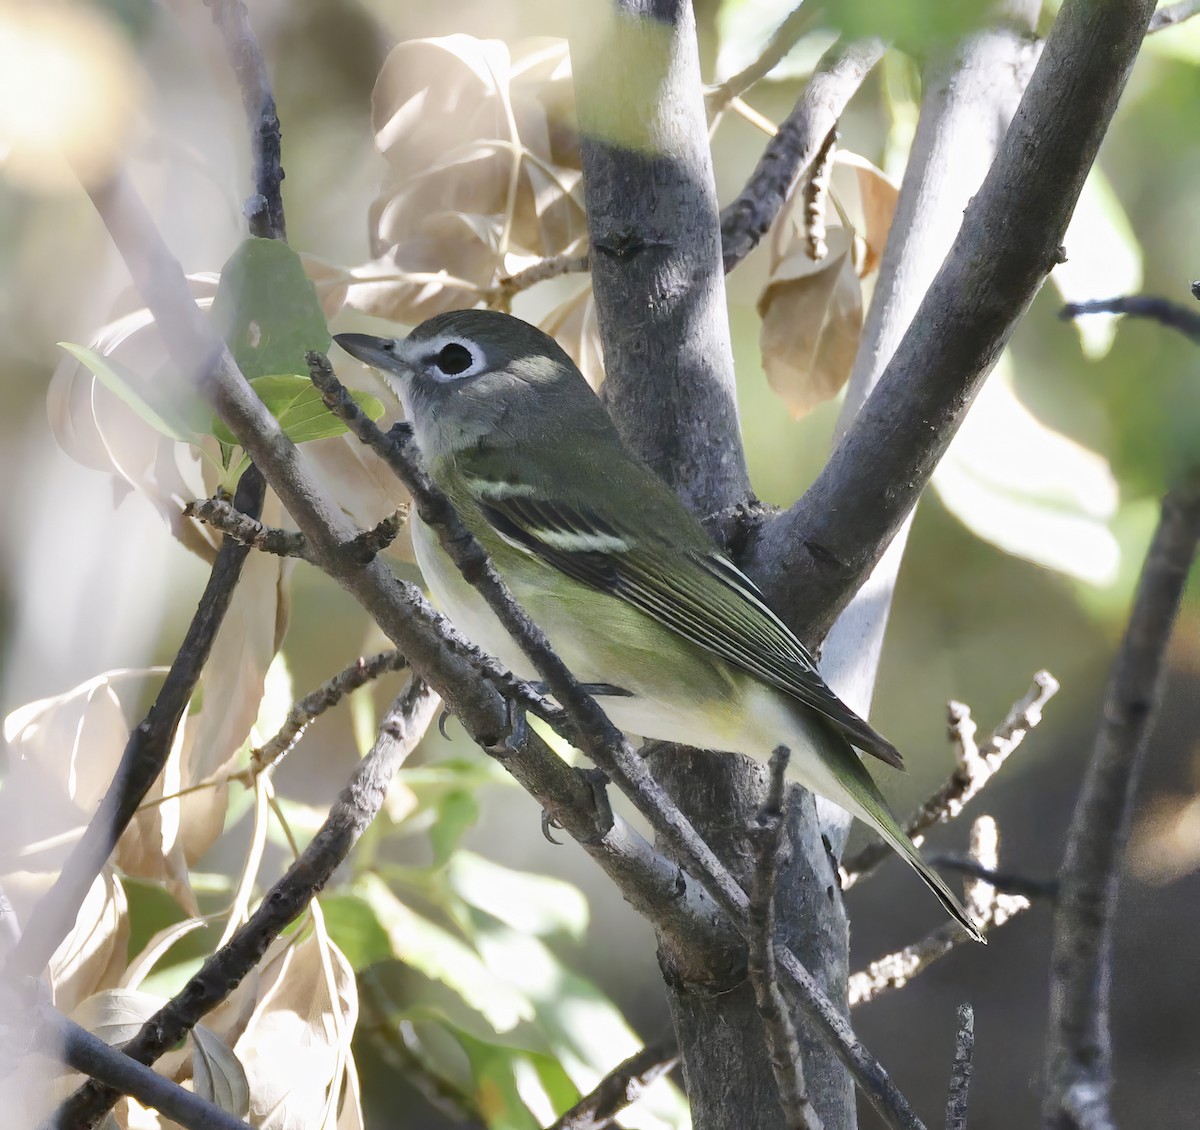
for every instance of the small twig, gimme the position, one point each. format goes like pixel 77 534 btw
pixel 1161 310
pixel 960 1073
pixel 785 37
pixel 315 703
pixel 1005 883
pixel 1079 1045
pixel 783 1046
pixel 794 148
pixel 263 210
pixel 987 906
pixel 60 1038
pixel 1171 14
pixel 356 806
pixel 221 514
pixel 501 295
pixel 976 766
pixel 142 761
pixel 621 1087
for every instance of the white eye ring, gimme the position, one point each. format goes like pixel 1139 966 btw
pixel 436 347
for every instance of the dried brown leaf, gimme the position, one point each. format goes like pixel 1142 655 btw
pixel 812 320
pixel 867 199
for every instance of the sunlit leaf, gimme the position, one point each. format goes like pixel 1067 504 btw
pixel 1030 490
pixel 217 1073
pixel 442 957
pixel 354 926
pixel 295 402
pixel 534 904
pixel 266 309
pixel 456 813
pixel 135 392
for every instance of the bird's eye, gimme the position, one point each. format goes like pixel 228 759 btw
pixel 454 359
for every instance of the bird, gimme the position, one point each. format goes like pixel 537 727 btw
pixel 629 588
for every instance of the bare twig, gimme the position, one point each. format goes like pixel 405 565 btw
pixel 222 515
pixel 1005 883
pixel 977 765
pixel 263 210
pixel 1079 1048
pixel 1171 14
pixel 314 704
pixel 987 906
pixel 960 1073
pixel 1160 310
pixel 142 761
pixel 62 1039
pixel 812 559
pixel 791 152
pixel 621 1087
pixel 785 37
pixel 783 1047
pixel 816 198
pixel 356 806
pixel 501 295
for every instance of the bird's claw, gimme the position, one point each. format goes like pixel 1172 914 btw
pixel 518 731
pixel 549 822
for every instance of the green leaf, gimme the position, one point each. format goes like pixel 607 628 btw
pixel 267 310
pixel 157 411
pixel 457 812
pixel 297 405
pixel 443 957
pixel 530 904
pixel 1030 490
pixel 496 1093
pixel 355 930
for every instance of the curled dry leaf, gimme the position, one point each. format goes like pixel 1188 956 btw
pixel 291 1047
pixel 574 326
pixel 811 321
pixel 812 310
pixel 483 164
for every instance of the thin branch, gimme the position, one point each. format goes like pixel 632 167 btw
pixel 989 908
pixel 783 1046
pixel 1079 1047
pixel 976 766
pixel 791 152
pixel 1004 882
pixel 785 37
pixel 1161 310
pixel 315 703
pixel 62 1039
pixel 1009 240
pixel 620 1088
pixel 222 515
pixel 142 760
pixel 816 199
pixel 1171 14
pixel 356 806
pixel 263 210
pixel 960 1073
pixel 501 295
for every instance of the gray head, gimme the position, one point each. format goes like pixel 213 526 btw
pixel 468 374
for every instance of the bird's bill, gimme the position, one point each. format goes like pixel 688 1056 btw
pixel 379 352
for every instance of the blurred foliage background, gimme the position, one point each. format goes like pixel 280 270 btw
pixel 90 579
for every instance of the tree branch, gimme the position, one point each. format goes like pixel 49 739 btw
pixel 356 806
pixel 785 37
pixel 813 558
pixel 960 1074
pixel 1160 310
pixel 1171 14
pixel 142 760
pixel 622 1086
pixel 1079 1049
pixel 791 152
pixel 782 1045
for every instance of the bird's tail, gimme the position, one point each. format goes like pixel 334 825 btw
pixel 861 798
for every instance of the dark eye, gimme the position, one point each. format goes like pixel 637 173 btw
pixel 454 359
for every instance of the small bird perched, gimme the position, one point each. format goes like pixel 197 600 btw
pixel 621 577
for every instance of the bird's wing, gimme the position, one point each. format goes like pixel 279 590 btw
pixel 698 593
